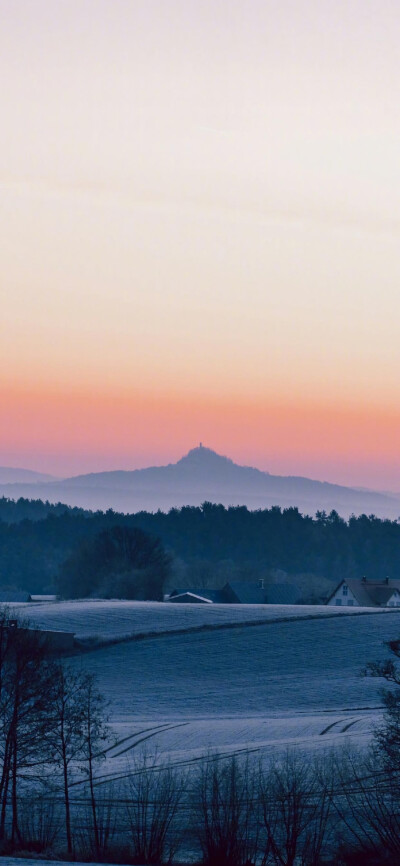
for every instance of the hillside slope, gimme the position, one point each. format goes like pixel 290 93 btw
pixel 202 475
pixel 262 687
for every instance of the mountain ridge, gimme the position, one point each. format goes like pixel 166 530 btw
pixel 19 475
pixel 203 474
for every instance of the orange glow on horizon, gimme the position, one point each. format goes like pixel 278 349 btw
pixel 200 235
pixel 77 431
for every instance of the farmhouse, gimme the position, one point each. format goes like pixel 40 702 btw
pixel 360 592
pixel 189 598
pixel 197 596
pixel 239 592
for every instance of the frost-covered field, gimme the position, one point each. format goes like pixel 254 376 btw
pixel 261 688
pixel 117 619
pixel 285 666
pixel 257 689
pixel 279 675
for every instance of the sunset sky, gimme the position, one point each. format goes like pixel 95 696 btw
pixel 200 226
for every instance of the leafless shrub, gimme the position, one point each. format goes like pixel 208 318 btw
pixel 226 811
pixel 97 842
pixel 40 822
pixel 154 797
pixel 296 800
pixel 368 803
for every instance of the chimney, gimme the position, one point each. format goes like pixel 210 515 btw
pixel 386 580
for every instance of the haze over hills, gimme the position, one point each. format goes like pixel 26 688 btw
pixel 201 475
pixel 11 475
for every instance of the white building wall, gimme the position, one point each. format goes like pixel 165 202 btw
pixel 343 597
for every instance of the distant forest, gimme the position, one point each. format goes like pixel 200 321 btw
pixel 207 545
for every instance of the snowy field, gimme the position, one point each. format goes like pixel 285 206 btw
pixel 227 677
pixel 258 680
pixel 260 688
pixel 109 620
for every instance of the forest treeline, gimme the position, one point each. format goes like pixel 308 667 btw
pixel 207 545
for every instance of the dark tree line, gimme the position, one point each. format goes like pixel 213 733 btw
pixel 15 510
pixel 122 562
pixel 204 538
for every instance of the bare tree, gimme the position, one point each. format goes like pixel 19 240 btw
pixel 49 715
pixel 367 801
pixel 226 811
pixel 65 735
pixel 154 796
pixel 40 821
pixel 387 735
pixel 76 734
pixel 96 732
pixel 25 685
pixel 296 804
pixel 107 814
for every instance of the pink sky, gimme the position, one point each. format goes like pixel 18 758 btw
pixel 72 432
pixel 200 227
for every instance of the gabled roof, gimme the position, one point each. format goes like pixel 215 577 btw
pixel 281 593
pixel 215 595
pixel 244 593
pixel 381 594
pixel 370 593
pixel 190 597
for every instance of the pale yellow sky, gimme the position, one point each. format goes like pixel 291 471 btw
pixel 200 200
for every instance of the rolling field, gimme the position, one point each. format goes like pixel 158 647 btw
pixel 109 620
pixel 261 688
pixel 226 677
pixel 231 680
pixel 283 666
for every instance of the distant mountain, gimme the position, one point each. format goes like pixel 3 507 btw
pixel 9 475
pixel 204 475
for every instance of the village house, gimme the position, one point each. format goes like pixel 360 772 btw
pixel 238 592
pixel 360 592
pixel 186 596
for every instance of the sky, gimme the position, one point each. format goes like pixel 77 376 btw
pixel 199 223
